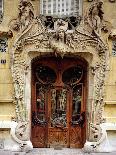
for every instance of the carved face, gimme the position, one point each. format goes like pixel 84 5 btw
pixel 61 34
pixel 95 11
pixel 26 12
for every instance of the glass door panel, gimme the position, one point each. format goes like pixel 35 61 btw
pixel 58 126
pixel 39 117
pixel 77 118
pixel 76 103
pixel 58 107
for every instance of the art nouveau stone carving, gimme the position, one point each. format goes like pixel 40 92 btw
pixel 33 36
pixel 94 17
pixel 19 134
pixel 101 145
pixel 25 16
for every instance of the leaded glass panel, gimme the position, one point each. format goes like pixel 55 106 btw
pixel 40 101
pixel 58 107
pixel 45 74
pixel 76 102
pixel 72 75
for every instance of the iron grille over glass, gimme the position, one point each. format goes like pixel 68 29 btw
pixel 61 7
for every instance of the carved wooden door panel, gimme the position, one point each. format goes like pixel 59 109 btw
pixel 39 117
pixel 77 117
pixel 58 129
pixel 58 103
pixel 74 78
pixel 43 77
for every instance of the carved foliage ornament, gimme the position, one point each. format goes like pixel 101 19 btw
pixel 61 40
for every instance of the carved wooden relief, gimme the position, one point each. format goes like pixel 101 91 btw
pixel 39 136
pixel 76 137
pixel 58 137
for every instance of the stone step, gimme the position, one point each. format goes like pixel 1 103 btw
pixel 52 151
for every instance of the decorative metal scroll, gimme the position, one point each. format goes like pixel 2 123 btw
pixel 80 121
pixel 36 120
pixel 72 75
pixel 58 108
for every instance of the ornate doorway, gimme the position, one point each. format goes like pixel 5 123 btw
pixel 58 102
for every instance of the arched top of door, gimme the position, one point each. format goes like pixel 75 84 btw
pixel 62 63
pixel 59 71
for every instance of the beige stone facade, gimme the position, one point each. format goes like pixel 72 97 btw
pixel 22 47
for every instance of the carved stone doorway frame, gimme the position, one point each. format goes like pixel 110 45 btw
pixel 21 71
pixel 33 40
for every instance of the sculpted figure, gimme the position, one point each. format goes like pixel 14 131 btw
pixel 25 16
pixel 61 27
pixel 95 17
pixel 26 13
pixel 96 21
pixel 61 35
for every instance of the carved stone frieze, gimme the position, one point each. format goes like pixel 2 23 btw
pixel 61 41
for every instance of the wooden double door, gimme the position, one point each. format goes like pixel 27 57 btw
pixel 58 102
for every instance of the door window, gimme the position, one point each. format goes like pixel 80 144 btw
pixel 40 102
pixel 72 75
pixel 76 103
pixel 58 107
pixel 45 74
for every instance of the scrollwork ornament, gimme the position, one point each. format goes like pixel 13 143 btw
pixel 22 131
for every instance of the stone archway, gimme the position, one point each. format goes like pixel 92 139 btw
pixel 34 40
